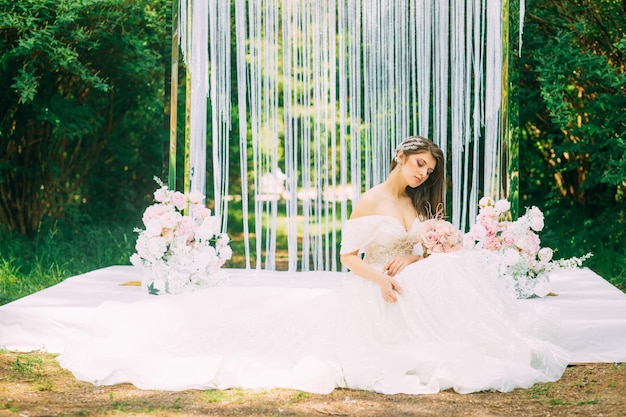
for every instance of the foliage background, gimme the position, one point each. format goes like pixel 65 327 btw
pixel 573 120
pixel 83 131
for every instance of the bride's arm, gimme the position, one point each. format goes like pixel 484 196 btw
pixel 398 263
pixel 388 285
pixel 368 205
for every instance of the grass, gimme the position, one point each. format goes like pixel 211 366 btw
pixel 142 405
pixel 544 392
pixel 30 369
pixel 20 378
pixel 27 266
pixel 231 396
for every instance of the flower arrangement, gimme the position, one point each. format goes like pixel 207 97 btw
pixel 180 252
pixel 516 247
pixel 438 236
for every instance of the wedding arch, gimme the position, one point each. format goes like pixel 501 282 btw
pixel 325 91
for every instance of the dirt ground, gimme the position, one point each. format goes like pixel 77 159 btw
pixel 33 385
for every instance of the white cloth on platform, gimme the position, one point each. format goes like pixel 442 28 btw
pixel 454 326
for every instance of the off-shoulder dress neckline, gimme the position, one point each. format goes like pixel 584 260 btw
pixel 395 220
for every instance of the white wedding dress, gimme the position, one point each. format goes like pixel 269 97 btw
pixel 454 326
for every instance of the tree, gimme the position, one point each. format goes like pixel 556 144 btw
pixel 82 85
pixel 576 64
pixel 573 114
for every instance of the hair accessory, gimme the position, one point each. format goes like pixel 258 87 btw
pixel 412 143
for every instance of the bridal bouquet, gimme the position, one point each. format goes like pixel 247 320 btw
pixel 438 236
pixel 180 252
pixel 516 247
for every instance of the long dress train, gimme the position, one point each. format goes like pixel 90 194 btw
pixel 454 326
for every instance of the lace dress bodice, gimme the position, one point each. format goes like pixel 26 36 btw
pixel 379 238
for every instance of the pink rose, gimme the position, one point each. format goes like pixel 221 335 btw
pixel 528 243
pixel 536 243
pixel 170 220
pixel 502 206
pixel 153 212
pixel 200 212
pixel 508 238
pixel 196 197
pixel 492 243
pixel 179 200
pixel 187 228
pixel 487 213
pixel 491 227
pixel 429 238
pixel 477 232
pixel 485 202
pixel 468 241
pixel 440 236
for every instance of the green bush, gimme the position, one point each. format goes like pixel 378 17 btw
pixel 27 266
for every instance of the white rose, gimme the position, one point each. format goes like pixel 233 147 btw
pixel 545 254
pixel 222 241
pixel 162 195
pixel 525 243
pixel 210 227
pixel 536 224
pixel 502 206
pixel 536 218
pixel 225 253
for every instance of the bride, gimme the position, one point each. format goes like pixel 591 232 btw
pixel 401 323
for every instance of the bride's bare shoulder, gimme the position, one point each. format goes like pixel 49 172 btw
pixel 369 203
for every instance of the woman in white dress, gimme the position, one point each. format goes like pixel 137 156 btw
pixel 448 317
pixel 399 324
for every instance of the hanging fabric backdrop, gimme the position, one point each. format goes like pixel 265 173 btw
pixel 326 89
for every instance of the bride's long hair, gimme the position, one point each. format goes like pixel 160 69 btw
pixel 430 195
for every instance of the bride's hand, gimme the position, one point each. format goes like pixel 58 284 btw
pixel 397 264
pixel 388 288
